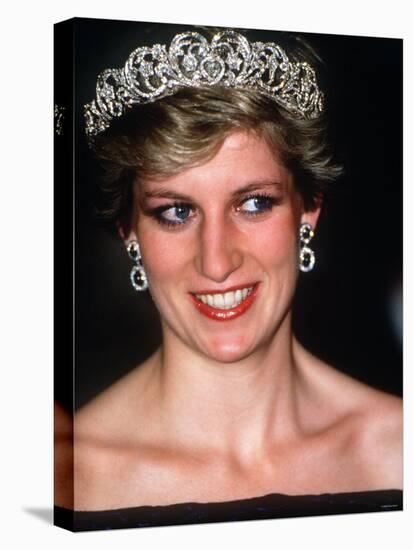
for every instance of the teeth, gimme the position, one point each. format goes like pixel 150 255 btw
pixel 229 299
pixel 225 301
pixel 219 300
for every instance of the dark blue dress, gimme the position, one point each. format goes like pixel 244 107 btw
pixel 266 507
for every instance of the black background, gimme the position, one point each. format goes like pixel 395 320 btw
pixel 341 310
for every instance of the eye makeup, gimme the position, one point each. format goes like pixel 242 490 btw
pixel 175 214
pixel 260 203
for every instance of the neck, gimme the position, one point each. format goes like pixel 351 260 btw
pixel 232 407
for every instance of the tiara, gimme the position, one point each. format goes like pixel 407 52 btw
pixel 229 60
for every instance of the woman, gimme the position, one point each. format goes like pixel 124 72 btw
pixel 216 164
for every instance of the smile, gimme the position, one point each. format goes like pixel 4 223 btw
pixel 225 306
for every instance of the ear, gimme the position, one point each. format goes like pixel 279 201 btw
pixel 126 237
pixel 311 216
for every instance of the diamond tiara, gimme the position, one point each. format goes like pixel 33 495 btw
pixel 229 60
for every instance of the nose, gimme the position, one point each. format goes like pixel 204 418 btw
pixel 219 253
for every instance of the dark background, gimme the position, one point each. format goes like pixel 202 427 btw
pixel 342 308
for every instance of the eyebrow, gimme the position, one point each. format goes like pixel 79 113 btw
pixel 164 193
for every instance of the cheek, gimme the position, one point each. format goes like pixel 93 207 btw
pixel 163 254
pixel 277 241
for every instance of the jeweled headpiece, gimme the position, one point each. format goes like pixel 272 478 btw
pixel 229 60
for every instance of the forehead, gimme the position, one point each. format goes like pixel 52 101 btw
pixel 243 158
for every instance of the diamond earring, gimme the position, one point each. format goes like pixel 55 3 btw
pixel 307 256
pixel 138 276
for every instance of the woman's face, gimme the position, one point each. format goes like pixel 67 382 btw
pixel 219 243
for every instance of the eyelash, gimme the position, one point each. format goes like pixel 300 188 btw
pixel 156 213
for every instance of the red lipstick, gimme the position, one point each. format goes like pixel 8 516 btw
pixel 225 314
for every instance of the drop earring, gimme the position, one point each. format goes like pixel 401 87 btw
pixel 138 276
pixel 307 256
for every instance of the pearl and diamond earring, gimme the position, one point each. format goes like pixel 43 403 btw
pixel 138 276
pixel 307 256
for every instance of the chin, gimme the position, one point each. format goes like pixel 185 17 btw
pixel 228 352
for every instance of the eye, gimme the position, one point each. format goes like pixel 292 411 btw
pixel 173 215
pixel 256 204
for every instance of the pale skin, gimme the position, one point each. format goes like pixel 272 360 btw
pixel 235 409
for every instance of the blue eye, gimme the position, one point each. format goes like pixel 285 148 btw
pixel 176 215
pixel 172 215
pixel 257 204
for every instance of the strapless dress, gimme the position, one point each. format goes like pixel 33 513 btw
pixel 265 507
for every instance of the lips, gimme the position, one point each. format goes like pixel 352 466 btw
pixel 242 296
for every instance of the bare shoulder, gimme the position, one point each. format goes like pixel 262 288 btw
pixel 107 435
pixel 99 458
pixel 92 451
pixel 107 415
pixel 373 439
pixel 381 438
pixel 365 423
